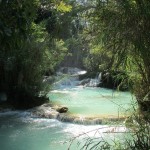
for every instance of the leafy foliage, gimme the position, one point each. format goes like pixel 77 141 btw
pixel 121 30
pixel 27 48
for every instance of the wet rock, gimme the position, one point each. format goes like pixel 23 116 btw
pixel 62 109
pixel 44 111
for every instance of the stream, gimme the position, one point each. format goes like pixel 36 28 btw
pixel 93 102
pixel 20 130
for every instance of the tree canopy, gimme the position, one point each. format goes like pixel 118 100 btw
pixel 37 36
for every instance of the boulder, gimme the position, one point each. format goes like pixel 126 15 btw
pixel 62 109
pixel 44 111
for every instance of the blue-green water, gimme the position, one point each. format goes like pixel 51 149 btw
pixel 93 102
pixel 22 131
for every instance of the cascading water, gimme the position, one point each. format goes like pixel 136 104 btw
pixel 88 104
pixel 22 130
pixel 68 77
pixel 95 82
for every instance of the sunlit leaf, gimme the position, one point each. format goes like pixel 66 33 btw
pixel 63 7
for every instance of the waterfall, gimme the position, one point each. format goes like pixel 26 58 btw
pixel 68 77
pixel 87 120
pixel 96 81
pixel 79 119
pixel 99 77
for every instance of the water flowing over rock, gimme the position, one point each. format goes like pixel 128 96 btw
pixel 68 77
pixel 84 81
pixel 87 120
pixel 47 111
pixel 71 71
pixel 71 93
pixel 79 119
pixel 44 111
pixel 92 82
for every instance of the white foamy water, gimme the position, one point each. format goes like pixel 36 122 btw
pixel 20 131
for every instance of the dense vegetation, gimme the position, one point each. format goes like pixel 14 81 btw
pixel 30 47
pixel 36 36
pixel 101 35
pixel 122 30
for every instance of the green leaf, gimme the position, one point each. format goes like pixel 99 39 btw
pixel 63 7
